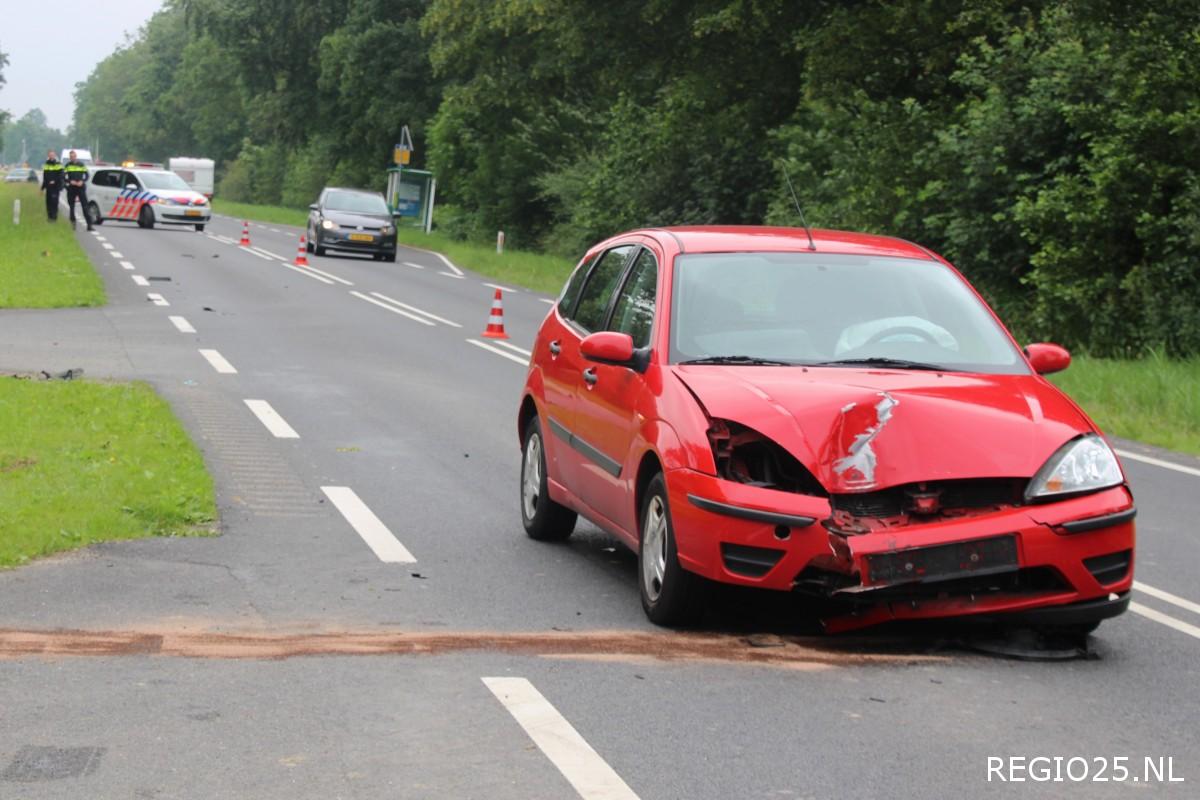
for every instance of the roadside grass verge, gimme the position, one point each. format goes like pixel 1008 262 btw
pixel 536 271
pixel 84 462
pixel 41 263
pixel 541 273
pixel 1152 399
pixel 279 215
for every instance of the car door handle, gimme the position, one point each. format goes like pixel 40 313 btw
pixel 555 348
pixel 590 376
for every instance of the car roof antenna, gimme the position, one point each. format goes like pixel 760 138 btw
pixel 811 244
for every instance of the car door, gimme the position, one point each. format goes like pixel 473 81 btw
pixel 606 409
pixel 563 364
pixel 103 191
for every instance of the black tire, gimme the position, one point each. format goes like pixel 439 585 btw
pixel 200 227
pixel 544 519
pixel 388 257
pixel 93 213
pixel 317 249
pixel 145 218
pixel 671 596
pixel 308 243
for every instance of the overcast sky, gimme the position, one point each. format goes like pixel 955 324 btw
pixel 54 46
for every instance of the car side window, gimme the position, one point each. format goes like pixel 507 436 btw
pixel 598 290
pixel 570 292
pixel 130 182
pixel 106 177
pixel 634 312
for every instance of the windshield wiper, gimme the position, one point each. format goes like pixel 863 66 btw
pixel 880 361
pixel 748 360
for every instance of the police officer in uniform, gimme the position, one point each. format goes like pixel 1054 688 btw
pixel 76 174
pixel 52 183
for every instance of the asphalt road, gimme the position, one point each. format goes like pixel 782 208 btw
pixel 342 637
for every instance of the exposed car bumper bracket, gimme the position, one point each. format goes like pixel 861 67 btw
pixel 753 514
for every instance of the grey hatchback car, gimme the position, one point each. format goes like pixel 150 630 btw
pixel 352 221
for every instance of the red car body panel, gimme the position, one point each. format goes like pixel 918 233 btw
pixel 923 426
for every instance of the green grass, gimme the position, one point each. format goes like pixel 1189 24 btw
pixel 84 462
pixel 278 215
pixel 535 271
pixel 1154 399
pixel 41 263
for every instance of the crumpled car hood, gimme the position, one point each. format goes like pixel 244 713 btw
pixel 862 430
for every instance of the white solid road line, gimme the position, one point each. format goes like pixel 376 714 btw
pixel 303 271
pixel 271 419
pixel 451 275
pixel 218 362
pixel 547 302
pixel 1173 599
pixel 1158 462
pixel 328 275
pixel 502 288
pixel 513 347
pixel 393 309
pixel 139 280
pixel 416 310
pixel 256 254
pixel 411 264
pixel 499 352
pixel 275 230
pixel 182 324
pixel 157 299
pixel 368 526
pixel 266 252
pixel 225 239
pixel 582 766
pixel 126 265
pixel 1170 622
pixel 107 246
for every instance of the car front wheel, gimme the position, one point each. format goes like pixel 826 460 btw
pixel 145 218
pixel 544 519
pixel 93 213
pixel 671 596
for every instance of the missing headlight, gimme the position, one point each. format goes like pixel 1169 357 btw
pixel 746 456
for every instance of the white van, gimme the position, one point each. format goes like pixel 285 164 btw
pixel 196 172
pixel 83 155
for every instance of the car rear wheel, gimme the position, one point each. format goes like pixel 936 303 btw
pixel 199 227
pixel 544 519
pixel 145 218
pixel 93 213
pixel 671 596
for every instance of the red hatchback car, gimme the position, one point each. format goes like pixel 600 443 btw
pixel 842 416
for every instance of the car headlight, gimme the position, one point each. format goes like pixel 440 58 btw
pixel 387 230
pixel 1086 464
pixel 329 225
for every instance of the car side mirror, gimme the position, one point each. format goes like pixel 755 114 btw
pixel 312 207
pixel 608 347
pixel 1046 358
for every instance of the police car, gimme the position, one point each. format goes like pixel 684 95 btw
pixel 146 194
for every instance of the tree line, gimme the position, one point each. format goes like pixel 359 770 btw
pixel 1049 148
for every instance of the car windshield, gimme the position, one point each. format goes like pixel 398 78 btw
pixel 357 202
pixel 835 310
pixel 162 180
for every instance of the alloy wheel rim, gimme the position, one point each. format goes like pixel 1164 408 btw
pixel 654 549
pixel 531 481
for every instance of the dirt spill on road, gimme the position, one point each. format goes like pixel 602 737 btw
pixel 631 646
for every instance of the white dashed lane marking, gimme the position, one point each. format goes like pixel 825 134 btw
pixel 450 275
pixel 126 265
pixel 182 324
pixel 503 354
pixel 218 362
pixel 385 545
pixel 115 254
pixel 1158 462
pixel 501 288
pixel 157 299
pixel 140 280
pixel 270 418
pixel 411 264
pixel 1167 597
pixel 303 271
pixel 547 302
pixel 582 766
pixel 107 246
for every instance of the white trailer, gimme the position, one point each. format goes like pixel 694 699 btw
pixel 196 172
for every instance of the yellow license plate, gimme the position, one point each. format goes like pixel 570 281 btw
pixel 193 213
pixel 361 237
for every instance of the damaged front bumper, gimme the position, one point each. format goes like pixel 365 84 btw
pixel 1065 562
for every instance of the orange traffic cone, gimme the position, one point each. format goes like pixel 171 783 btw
pixel 302 253
pixel 495 326
pixel 245 242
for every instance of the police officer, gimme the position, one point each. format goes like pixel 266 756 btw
pixel 76 174
pixel 52 183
